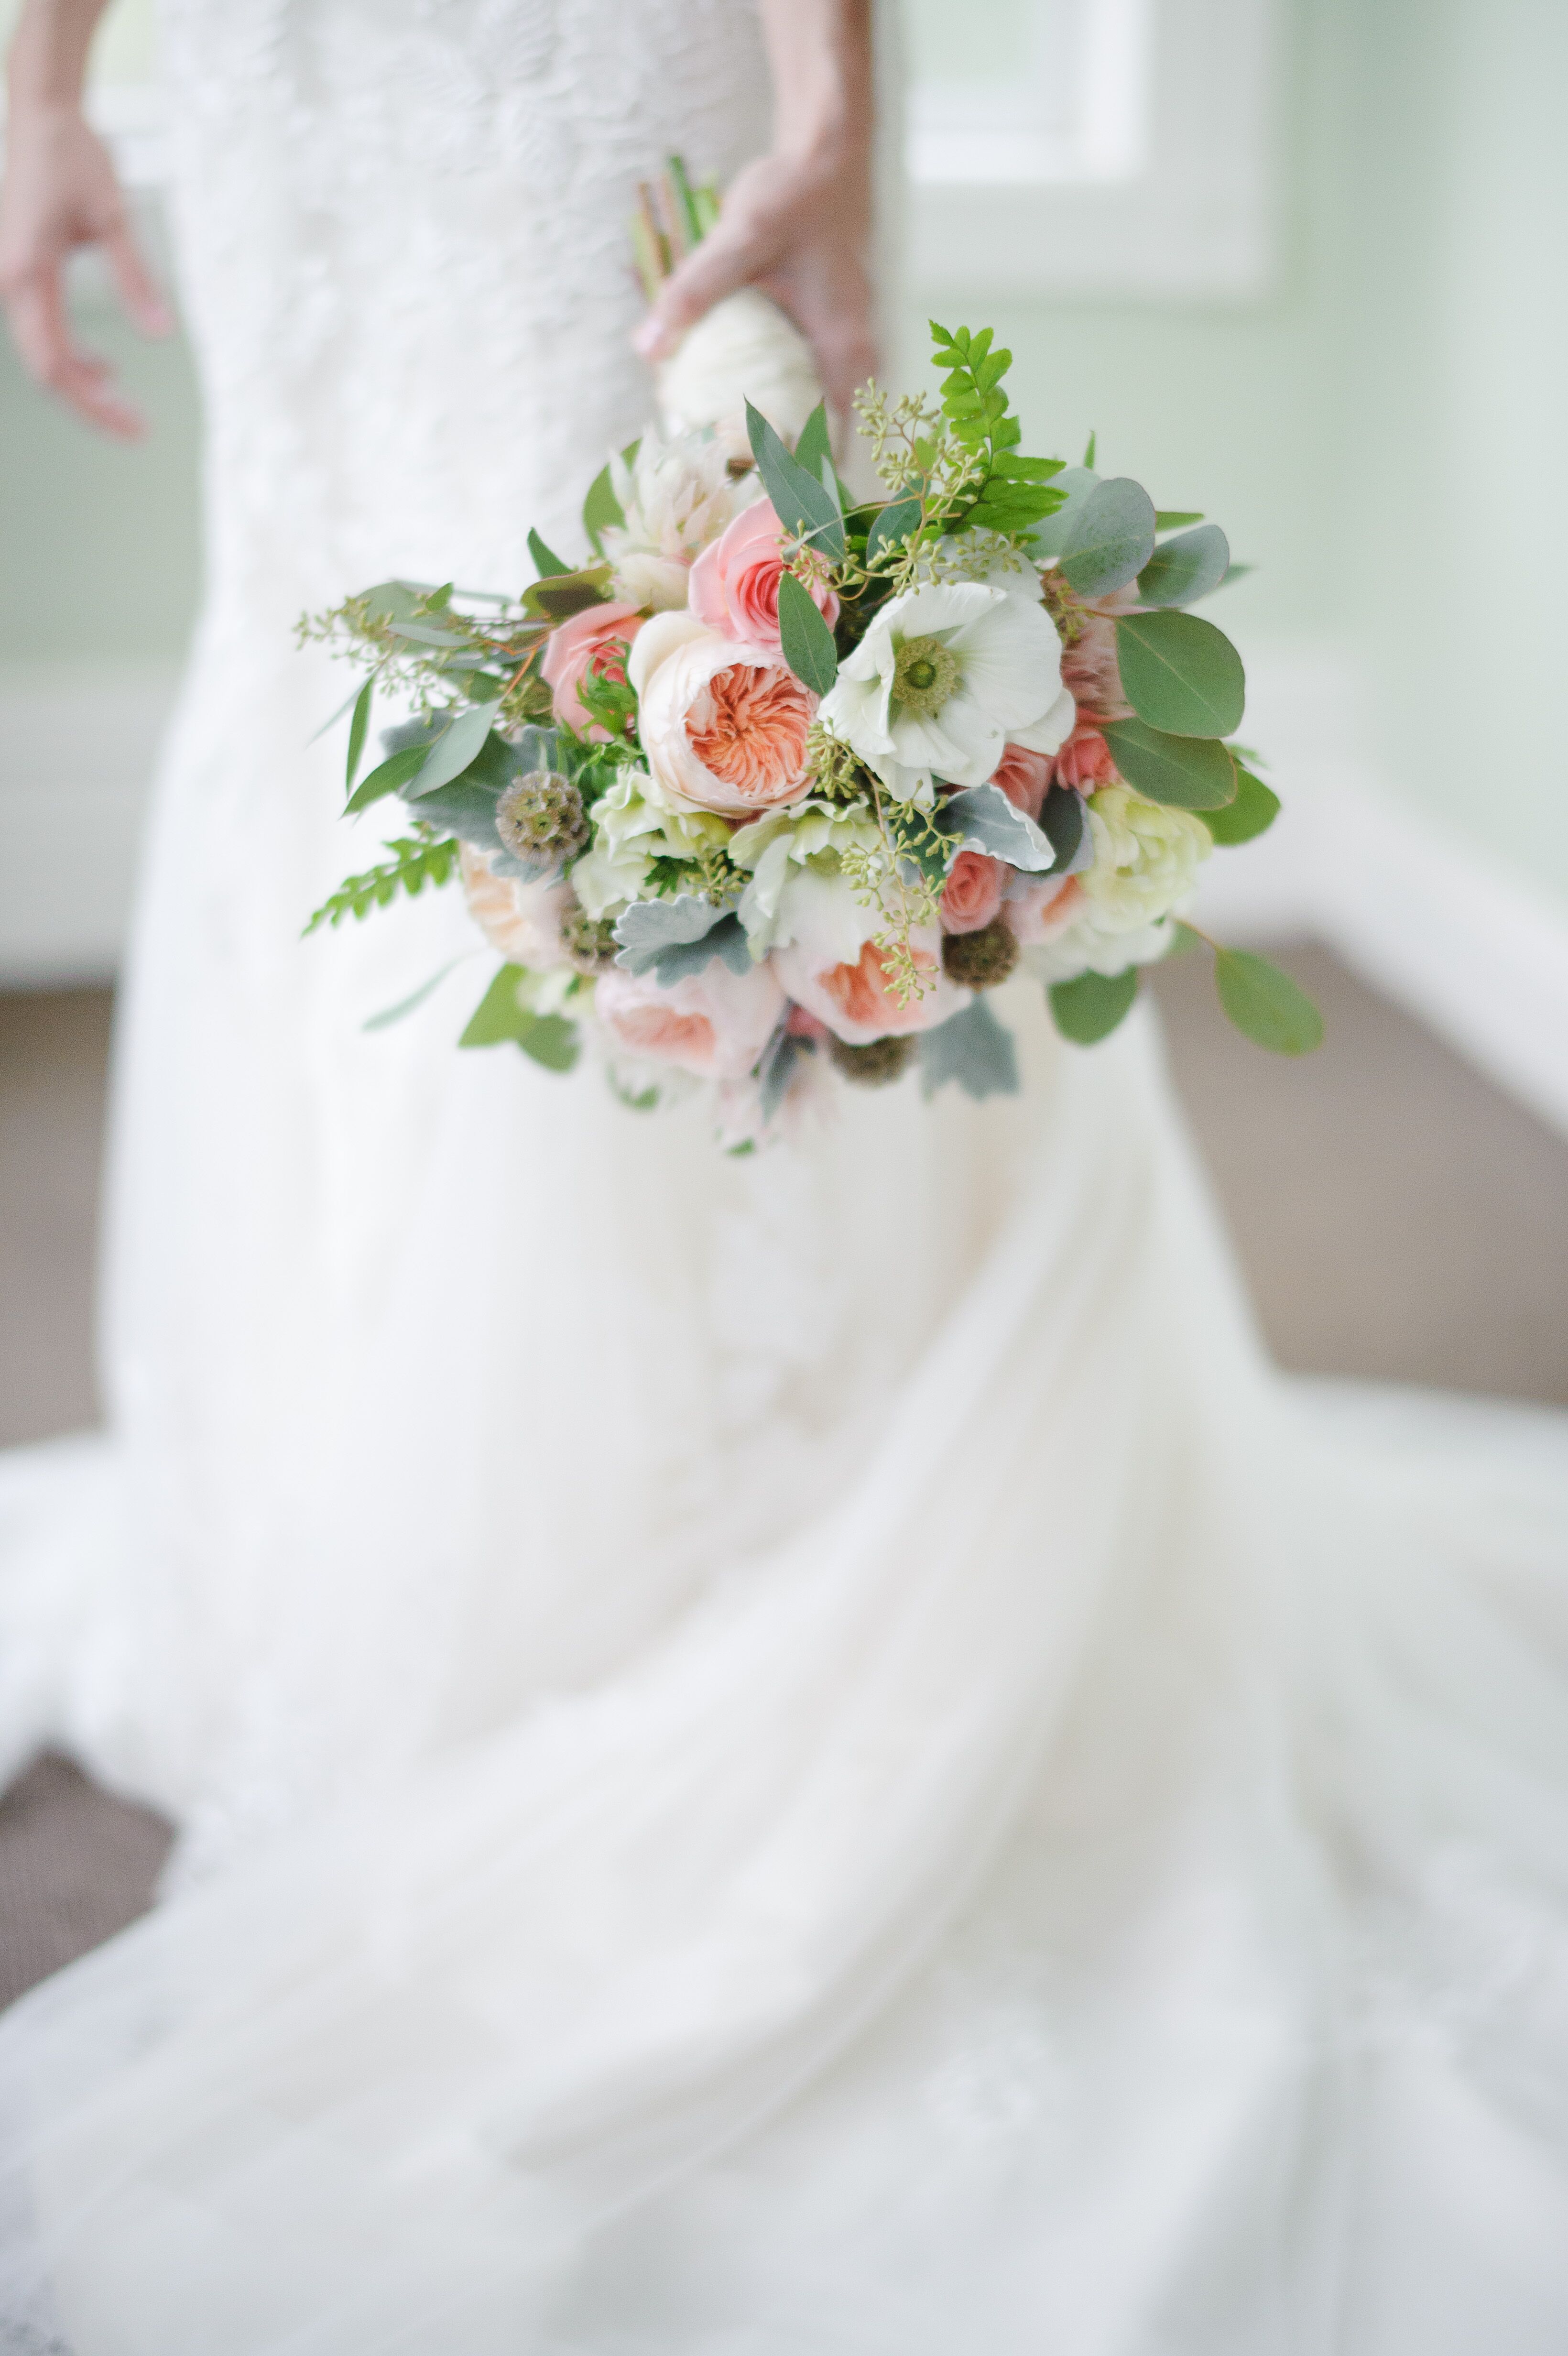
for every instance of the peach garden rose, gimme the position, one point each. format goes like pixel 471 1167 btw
pixel 723 724
pixel 714 1024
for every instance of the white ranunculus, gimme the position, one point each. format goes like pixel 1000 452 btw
pixel 943 679
pixel 744 349
pixel 1145 866
pixel 632 825
pixel 777 848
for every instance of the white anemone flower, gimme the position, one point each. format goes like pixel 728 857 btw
pixel 945 678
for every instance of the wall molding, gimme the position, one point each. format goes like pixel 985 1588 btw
pixel 1468 947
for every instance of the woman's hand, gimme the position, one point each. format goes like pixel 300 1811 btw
pixel 797 223
pixel 59 192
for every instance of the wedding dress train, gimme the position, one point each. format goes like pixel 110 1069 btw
pixel 811 1757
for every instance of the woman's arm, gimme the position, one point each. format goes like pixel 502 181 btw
pixel 797 223
pixel 59 192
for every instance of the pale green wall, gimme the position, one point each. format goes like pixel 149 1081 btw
pixel 1382 435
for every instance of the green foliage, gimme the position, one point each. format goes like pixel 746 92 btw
pixel 982 819
pixel 973 1050
pixel 602 509
pixel 1089 450
pixel 1265 1004
pixel 1184 569
pixel 547 563
pixel 416 861
pixel 1089 1008
pixel 358 729
pixel 1014 492
pixel 609 702
pixel 416 998
pixel 1252 812
pixel 808 641
pixel 1171 518
pixel 803 504
pixel 456 747
pixel 815 443
pixel 390 777
pixel 1110 540
pixel 1182 674
pixel 1066 829
pixel 556 599
pixel 1184 772
pixel 501 1018
pixel 891 527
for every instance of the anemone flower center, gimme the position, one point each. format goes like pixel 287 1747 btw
pixel 925 676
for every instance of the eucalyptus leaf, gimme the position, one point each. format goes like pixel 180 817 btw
pixel 467 807
pixel 390 777
pixel 815 442
pixel 1171 518
pixel 892 525
pixel 547 563
pixel 357 727
pixel 803 505
pixel 1110 540
pixel 1089 1008
pixel 602 509
pixel 1066 828
pixel 1266 1004
pixel 808 641
pixel 1049 537
pixel 1184 569
pixel 501 1018
pixel 556 599
pixel 972 1049
pixel 1252 813
pixel 1181 674
pixel 648 927
pixel 391 1015
pixel 1184 772
pixel 454 750
pixel 982 819
pixel 348 704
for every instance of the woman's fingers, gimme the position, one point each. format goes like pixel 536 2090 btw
pixel 720 265
pixel 49 352
pixel 134 281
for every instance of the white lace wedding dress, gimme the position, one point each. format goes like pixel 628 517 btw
pixel 811 1757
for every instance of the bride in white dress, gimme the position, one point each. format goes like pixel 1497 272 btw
pixel 810 1757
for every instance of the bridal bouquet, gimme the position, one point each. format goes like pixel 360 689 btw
pixel 778 785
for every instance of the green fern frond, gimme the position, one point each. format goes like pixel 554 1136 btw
pixel 417 860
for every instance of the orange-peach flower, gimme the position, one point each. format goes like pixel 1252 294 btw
pixel 972 894
pixel 715 1023
pixel 723 724
pixel 734 584
pixel 1024 777
pixel 519 919
pixel 1084 761
pixel 596 639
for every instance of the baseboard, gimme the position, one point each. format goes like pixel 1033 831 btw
pixel 1468 949
pixel 77 753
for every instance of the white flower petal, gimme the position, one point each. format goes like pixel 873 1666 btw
pixel 1011 660
pixel 1050 735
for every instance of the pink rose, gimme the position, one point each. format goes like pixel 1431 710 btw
pixel 723 726
pixel 715 1023
pixel 1024 778
pixel 1089 668
pixel 1084 761
pixel 1042 910
pixel 854 998
pixel 734 584
pixel 973 893
pixel 595 640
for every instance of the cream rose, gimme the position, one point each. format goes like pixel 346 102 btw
pixel 520 920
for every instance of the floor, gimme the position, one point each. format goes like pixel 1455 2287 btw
pixel 1395 1216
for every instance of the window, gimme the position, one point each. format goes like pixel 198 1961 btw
pixel 1117 147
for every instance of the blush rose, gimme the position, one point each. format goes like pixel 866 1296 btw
pixel 734 584
pixel 972 894
pixel 595 640
pixel 715 1023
